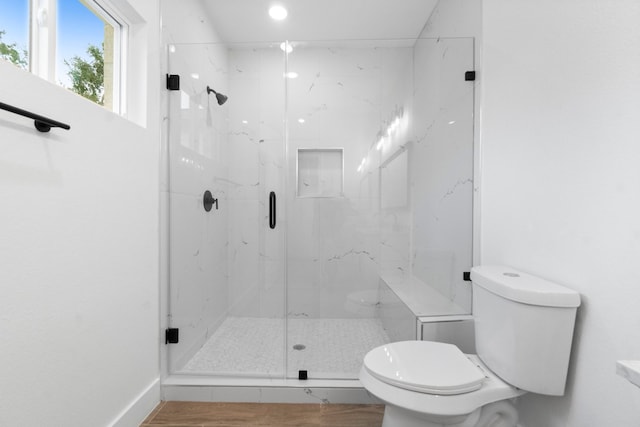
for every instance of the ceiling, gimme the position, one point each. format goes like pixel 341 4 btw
pixel 241 21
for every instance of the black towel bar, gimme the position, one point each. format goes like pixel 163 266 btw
pixel 43 124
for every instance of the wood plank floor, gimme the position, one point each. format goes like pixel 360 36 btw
pixel 204 414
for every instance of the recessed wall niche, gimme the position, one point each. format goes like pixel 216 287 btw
pixel 320 172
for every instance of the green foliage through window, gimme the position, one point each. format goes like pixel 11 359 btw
pixel 87 75
pixel 13 54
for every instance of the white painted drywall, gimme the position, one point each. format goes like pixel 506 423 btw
pixel 78 253
pixel 560 138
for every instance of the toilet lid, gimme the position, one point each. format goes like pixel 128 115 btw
pixel 424 366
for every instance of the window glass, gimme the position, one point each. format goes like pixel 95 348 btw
pixel 74 43
pixel 85 51
pixel 14 32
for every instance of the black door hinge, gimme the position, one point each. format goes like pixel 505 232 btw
pixel 171 336
pixel 173 82
pixel 470 76
pixel 466 276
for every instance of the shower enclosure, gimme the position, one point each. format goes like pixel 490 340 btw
pixel 333 173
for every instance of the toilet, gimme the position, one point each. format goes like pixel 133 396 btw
pixel 523 330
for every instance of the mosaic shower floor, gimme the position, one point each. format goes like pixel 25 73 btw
pixel 326 348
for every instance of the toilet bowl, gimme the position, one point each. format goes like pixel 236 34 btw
pixel 432 384
pixel 429 384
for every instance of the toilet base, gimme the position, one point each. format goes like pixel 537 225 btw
pixel 498 414
pixel 399 417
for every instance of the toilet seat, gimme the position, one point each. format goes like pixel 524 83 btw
pixel 425 366
pixel 493 389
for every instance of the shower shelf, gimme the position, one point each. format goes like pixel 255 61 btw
pixel 420 298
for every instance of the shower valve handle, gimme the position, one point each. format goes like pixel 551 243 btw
pixel 208 201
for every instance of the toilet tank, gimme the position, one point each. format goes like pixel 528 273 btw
pixel 524 327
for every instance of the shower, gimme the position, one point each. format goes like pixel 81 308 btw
pixel 360 203
pixel 219 97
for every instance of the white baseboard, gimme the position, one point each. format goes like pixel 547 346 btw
pixel 134 414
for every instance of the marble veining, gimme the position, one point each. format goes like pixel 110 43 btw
pixel 453 189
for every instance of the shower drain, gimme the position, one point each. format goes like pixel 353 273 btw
pixel 299 347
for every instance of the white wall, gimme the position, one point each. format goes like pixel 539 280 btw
pixel 560 181
pixel 79 255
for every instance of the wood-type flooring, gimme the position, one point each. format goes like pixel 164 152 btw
pixel 204 414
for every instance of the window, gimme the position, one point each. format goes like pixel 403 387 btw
pixel 14 32
pixel 74 43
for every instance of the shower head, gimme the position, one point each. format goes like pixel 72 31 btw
pixel 220 97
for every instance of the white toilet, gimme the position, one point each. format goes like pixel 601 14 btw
pixel 523 328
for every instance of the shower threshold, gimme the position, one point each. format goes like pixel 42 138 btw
pixel 217 389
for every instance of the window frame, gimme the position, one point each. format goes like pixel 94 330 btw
pixel 43 22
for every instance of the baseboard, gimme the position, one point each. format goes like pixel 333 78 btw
pixel 140 408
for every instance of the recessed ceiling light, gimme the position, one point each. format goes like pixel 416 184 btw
pixel 278 12
pixel 291 75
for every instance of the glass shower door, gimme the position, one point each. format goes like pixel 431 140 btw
pixel 334 109
pixel 226 263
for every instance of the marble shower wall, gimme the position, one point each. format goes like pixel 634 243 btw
pixel 198 161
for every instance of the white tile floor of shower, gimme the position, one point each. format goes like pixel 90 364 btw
pixel 249 346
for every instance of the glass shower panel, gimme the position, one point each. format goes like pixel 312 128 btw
pixel 441 174
pixel 226 265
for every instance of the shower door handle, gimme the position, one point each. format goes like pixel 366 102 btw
pixel 272 210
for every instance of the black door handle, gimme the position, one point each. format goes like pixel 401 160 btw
pixel 272 210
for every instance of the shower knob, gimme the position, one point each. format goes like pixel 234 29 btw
pixel 208 201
